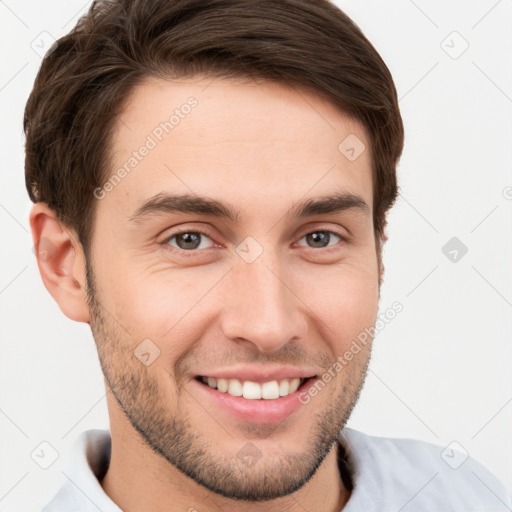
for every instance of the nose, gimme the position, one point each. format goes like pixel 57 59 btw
pixel 261 307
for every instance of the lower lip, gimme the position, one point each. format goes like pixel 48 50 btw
pixel 256 411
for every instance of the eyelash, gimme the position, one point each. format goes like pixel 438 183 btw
pixel 190 253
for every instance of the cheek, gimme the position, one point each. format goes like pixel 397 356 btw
pixel 162 303
pixel 344 302
pixel 161 306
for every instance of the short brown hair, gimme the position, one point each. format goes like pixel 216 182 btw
pixel 78 92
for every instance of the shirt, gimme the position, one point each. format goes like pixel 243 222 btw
pixel 384 474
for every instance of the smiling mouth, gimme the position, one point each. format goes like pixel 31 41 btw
pixel 250 390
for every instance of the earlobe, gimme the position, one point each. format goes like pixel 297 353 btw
pixel 385 238
pixel 382 269
pixel 61 262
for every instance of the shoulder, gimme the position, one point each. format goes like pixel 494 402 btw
pixel 86 466
pixel 416 475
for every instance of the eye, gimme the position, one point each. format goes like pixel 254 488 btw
pixel 321 239
pixel 188 240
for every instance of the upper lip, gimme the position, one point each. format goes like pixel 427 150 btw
pixel 260 374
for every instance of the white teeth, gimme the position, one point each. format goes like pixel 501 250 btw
pixel 222 385
pixel 270 390
pixel 234 387
pixel 253 390
pixel 294 384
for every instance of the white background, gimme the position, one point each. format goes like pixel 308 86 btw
pixel 441 369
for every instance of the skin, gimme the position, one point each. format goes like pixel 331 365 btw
pixel 262 148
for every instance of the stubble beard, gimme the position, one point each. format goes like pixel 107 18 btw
pixel 169 432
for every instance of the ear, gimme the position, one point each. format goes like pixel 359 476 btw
pixel 61 262
pixel 380 259
pixel 385 238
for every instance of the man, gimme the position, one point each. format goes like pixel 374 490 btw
pixel 211 180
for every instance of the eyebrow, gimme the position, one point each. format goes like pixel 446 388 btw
pixel 164 203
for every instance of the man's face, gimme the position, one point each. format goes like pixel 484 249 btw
pixel 264 296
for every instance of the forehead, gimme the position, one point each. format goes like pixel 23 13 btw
pixel 226 138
